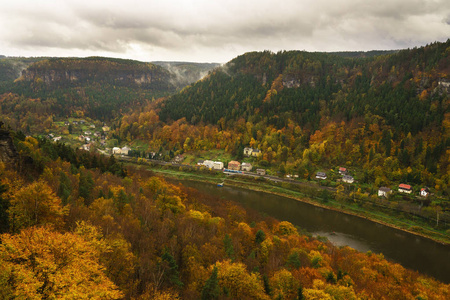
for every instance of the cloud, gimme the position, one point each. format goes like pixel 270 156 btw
pixel 217 30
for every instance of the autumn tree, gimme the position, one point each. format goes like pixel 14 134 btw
pixel 35 204
pixel 39 263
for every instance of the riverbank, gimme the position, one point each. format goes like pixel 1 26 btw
pixel 283 190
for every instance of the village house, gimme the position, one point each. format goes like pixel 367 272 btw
pixel 248 151
pixel 116 150
pixel 200 162
pixel 321 175
pixel 217 165
pixel 246 167
pixel 105 128
pixel 424 192
pixel 66 123
pixel 260 171
pixel 405 188
pixel 178 159
pixel 125 150
pixel 256 153
pixel 209 164
pixel 86 147
pixel 342 170
pixel 234 165
pixel 57 138
pixel 348 179
pixel 384 192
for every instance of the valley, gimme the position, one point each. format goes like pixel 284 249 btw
pixel 101 144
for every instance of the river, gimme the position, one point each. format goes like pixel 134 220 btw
pixel 411 251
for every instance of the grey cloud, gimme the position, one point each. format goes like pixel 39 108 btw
pixel 120 27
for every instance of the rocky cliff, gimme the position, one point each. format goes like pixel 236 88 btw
pixel 8 152
pixel 77 71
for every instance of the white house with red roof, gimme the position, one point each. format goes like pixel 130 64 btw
pixel 424 192
pixel 405 188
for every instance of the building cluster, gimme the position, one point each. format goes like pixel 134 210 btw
pixel 342 171
pixel 382 191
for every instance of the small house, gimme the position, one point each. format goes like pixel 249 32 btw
pixel 342 170
pixel 57 138
pixel 321 175
pixel 260 171
pixel 105 128
pixel 217 165
pixel 248 151
pixel 384 192
pixel 405 188
pixel 348 179
pixel 178 159
pixel 200 162
pixel 116 150
pixel 246 167
pixel 209 164
pixel 424 192
pixel 256 153
pixel 234 165
pixel 125 150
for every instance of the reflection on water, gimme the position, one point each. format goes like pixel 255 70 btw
pixel 343 239
pixel 411 251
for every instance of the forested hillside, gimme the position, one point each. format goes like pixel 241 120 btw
pixel 80 226
pixel 386 115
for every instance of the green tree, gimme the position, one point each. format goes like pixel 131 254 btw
pixel 260 236
pixel 211 289
pixel 172 269
pixel 228 244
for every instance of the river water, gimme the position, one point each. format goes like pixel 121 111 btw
pixel 411 251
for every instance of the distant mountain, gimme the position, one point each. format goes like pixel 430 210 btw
pixel 306 87
pixel 97 87
pixel 11 67
pixel 186 73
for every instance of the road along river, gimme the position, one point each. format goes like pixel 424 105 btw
pixel 411 251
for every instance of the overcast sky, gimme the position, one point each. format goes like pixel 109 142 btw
pixel 215 30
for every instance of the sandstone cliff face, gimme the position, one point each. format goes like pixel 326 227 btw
pixel 59 76
pixel 8 152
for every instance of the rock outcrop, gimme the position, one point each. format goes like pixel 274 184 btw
pixel 8 152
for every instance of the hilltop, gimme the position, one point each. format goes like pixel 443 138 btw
pixel 97 87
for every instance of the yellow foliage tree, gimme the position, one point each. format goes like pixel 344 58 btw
pixel 35 204
pixel 239 282
pixel 39 263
